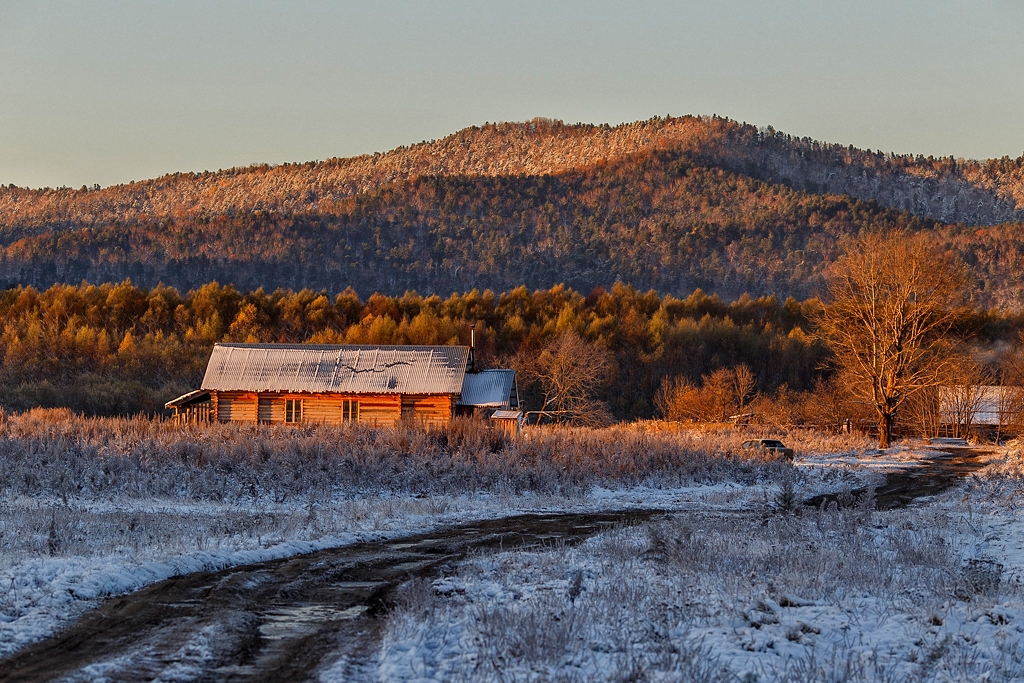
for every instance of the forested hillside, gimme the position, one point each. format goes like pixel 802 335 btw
pixel 658 219
pixel 671 204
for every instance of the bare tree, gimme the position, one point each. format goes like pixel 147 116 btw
pixel 1010 400
pixel 570 371
pixel 827 406
pixel 1009 408
pixel 962 396
pixel 743 383
pixel 728 390
pixel 924 411
pixel 678 399
pixel 891 303
pixel 781 411
pixel 722 394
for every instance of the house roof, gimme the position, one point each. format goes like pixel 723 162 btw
pixel 317 368
pixel 191 397
pixel 488 388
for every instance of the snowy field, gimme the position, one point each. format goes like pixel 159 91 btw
pixel 930 593
pixel 94 508
pixel 838 596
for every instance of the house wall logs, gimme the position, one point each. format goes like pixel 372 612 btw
pixel 428 411
pixel 382 410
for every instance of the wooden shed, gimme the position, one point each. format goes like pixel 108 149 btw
pixel 379 385
pixel 509 421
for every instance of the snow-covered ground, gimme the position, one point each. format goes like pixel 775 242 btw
pixel 901 455
pixel 934 592
pixel 62 555
pixel 69 555
pixel 931 593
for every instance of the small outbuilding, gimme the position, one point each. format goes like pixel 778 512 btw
pixel 509 421
pixel 379 385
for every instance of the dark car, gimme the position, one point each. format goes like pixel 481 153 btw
pixel 773 446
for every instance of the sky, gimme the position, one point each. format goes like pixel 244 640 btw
pixel 105 92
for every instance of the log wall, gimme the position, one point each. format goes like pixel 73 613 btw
pixel 382 410
pixel 427 411
pixel 236 406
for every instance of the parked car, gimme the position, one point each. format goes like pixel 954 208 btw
pixel 773 446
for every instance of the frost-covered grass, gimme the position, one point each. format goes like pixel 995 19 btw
pixel 838 595
pixel 1001 483
pixel 53 452
pixel 91 507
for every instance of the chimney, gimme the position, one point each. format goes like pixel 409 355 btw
pixel 471 364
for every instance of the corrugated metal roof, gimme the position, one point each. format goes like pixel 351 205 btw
pixel 318 368
pixel 191 397
pixel 506 415
pixel 488 388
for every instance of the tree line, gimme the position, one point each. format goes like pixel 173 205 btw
pixel 120 349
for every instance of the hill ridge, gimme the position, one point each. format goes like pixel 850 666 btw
pixel 955 191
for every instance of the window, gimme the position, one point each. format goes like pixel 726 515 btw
pixel 293 410
pixel 349 411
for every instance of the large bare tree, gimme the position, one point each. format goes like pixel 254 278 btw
pixel 891 302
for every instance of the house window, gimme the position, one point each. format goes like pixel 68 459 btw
pixel 349 411
pixel 293 410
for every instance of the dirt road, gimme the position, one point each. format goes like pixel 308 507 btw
pixel 932 478
pixel 276 621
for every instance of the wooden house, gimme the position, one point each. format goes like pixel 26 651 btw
pixel 379 385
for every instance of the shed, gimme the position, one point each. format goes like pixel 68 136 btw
pixel 293 383
pixel 195 406
pixel 509 421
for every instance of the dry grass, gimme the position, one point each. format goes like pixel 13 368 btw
pixel 53 452
pixel 149 489
pixel 1001 483
pixel 723 436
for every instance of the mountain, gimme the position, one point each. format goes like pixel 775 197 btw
pixel 669 203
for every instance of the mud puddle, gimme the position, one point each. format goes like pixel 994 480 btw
pixel 903 487
pixel 277 621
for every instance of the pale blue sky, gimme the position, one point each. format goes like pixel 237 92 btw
pixel 107 91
